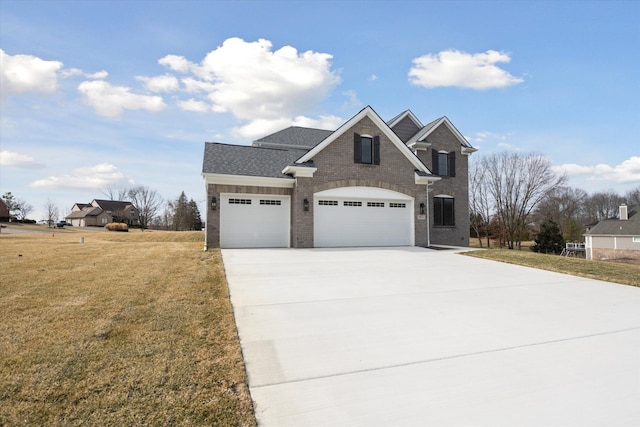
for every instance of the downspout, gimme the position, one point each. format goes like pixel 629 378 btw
pixel 428 219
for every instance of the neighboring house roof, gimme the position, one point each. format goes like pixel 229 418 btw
pixel 245 160
pixel 82 205
pixel 618 227
pixel 111 205
pixel 86 211
pixel 293 137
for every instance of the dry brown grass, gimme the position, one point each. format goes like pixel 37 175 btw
pixel 626 274
pixel 123 329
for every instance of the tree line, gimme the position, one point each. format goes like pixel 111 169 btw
pixel 153 211
pixel 512 194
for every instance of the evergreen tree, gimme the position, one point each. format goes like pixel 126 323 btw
pixel 549 240
pixel 186 215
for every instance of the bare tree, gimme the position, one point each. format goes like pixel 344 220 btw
pixel 633 197
pixel 603 205
pixel 565 207
pixel 17 207
pixel 517 183
pixel 51 211
pixel 116 192
pixel 147 202
pixel 24 210
pixel 479 201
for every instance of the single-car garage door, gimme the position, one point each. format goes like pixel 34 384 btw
pixel 254 221
pixel 362 216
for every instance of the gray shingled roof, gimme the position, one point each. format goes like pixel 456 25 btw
pixel 246 160
pixel 422 131
pixel 616 227
pixel 85 212
pixel 294 136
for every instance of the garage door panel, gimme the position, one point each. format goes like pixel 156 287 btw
pixel 341 222
pixel 254 221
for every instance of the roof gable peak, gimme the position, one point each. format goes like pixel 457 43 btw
pixel 381 124
pixel 406 113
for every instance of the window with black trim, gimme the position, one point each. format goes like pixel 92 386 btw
pixel 366 149
pixel 443 163
pixel 444 211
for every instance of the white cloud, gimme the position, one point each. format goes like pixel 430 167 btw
pixel 165 83
pixel 99 75
pixel 17 160
pixel 71 72
pixel 194 105
pixel 176 63
pixel 352 99
pixel 110 100
pixel 324 122
pixel 508 146
pixel 193 86
pixel 626 172
pixel 95 177
pixel 257 84
pixel 373 78
pixel 461 69
pixel 27 73
pixel 262 127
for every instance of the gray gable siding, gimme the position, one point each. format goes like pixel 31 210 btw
pixel 405 129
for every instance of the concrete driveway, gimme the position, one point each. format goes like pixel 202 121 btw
pixel 416 337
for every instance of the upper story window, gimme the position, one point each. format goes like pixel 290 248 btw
pixel 366 149
pixel 444 163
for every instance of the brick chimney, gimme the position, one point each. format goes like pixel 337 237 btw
pixel 623 213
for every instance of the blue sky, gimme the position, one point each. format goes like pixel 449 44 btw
pixel 111 93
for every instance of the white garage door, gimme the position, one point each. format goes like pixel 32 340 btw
pixel 254 221
pixel 362 216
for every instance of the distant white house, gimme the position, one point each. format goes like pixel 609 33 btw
pixel 615 238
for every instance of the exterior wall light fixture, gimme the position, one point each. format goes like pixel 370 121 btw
pixel 305 205
pixel 421 208
pixel 214 203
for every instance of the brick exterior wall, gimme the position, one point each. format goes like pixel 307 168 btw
pixel 457 187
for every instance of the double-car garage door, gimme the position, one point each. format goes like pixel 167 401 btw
pixel 342 217
pixel 362 216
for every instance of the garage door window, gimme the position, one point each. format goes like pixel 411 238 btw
pixel 328 202
pixel 239 201
pixel 355 204
pixel 375 204
pixel 271 202
pixel 397 205
pixel 443 211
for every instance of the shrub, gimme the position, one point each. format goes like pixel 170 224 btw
pixel 117 226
